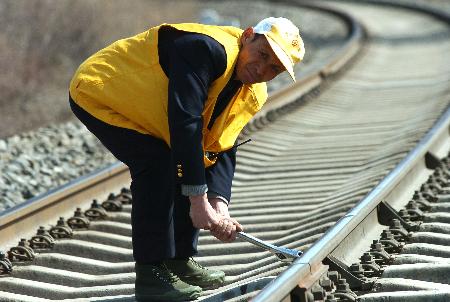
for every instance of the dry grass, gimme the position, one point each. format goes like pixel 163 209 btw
pixel 43 41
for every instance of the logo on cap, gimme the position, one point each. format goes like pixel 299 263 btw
pixel 284 39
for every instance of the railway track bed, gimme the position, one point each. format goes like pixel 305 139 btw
pixel 353 171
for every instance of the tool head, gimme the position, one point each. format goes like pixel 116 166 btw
pixel 284 254
pixel 287 255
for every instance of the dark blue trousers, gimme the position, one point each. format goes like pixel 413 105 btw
pixel 161 226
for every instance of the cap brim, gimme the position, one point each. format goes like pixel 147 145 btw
pixel 282 56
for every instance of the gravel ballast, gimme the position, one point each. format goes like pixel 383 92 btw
pixel 37 161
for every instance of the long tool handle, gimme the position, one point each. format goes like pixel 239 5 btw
pixel 284 254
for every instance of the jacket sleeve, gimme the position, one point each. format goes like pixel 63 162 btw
pixel 195 62
pixel 219 177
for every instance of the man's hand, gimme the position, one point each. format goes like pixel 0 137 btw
pixel 226 231
pixel 203 216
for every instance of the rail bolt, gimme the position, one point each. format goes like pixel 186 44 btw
pixel 357 270
pixel 371 269
pixel 95 204
pixel 343 286
pixel 413 211
pixel 334 276
pixel 42 239
pixel 326 283
pixel 403 213
pixel 112 204
pixel 423 203
pixel 96 212
pixel 441 173
pixel 389 242
pixel 125 196
pixel 380 254
pixel 343 291
pixel 430 197
pixel 318 293
pixel 61 230
pixel 436 179
pixel 21 252
pixel 78 221
pixel 5 264
pixel 398 230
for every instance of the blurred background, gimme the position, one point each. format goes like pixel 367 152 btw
pixel 43 41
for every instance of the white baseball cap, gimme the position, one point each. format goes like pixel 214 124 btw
pixel 284 39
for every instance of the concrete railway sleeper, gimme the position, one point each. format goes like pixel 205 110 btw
pixel 360 115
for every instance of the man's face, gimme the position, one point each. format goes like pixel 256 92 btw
pixel 256 61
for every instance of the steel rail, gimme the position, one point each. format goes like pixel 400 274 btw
pixel 307 266
pixel 21 221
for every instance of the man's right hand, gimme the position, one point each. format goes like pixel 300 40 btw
pixel 203 216
pixel 230 226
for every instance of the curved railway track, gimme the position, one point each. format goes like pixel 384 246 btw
pixel 325 154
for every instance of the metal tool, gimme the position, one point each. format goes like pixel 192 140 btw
pixel 282 253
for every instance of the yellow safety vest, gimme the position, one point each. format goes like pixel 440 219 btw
pixel 124 85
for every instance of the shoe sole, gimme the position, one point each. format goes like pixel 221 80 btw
pixel 212 285
pixel 140 298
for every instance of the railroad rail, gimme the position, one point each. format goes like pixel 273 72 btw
pixel 347 145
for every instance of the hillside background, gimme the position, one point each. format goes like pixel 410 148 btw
pixel 43 41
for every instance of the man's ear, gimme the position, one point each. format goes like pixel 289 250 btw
pixel 247 36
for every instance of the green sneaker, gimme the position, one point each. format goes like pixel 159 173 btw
pixel 158 283
pixel 193 273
